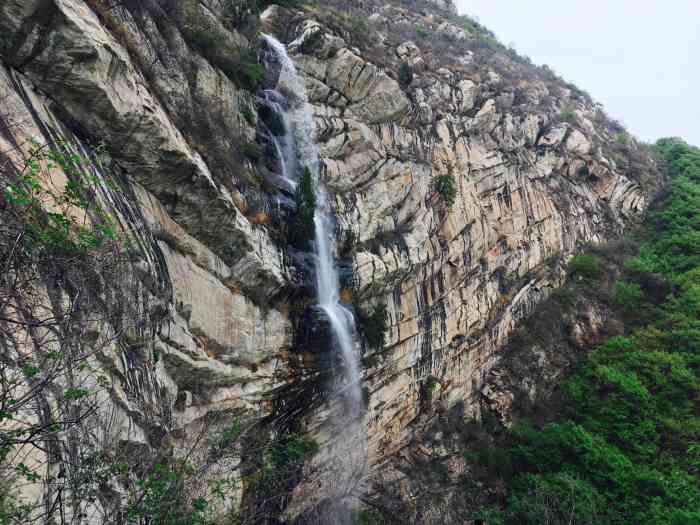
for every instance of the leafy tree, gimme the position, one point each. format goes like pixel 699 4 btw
pixel 405 74
pixel 303 230
pixel 629 296
pixel 446 187
pixel 585 266
pixel 558 498
pixel 374 325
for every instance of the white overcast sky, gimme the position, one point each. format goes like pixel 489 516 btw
pixel 639 58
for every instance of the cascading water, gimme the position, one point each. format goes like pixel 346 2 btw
pixel 283 143
pixel 297 113
pixel 328 286
pixel 347 453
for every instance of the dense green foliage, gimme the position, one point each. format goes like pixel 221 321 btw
pixel 567 115
pixel 303 230
pixel 405 74
pixel 585 266
pixel 373 325
pixel 445 185
pixel 161 500
pixel 626 449
pixel 273 474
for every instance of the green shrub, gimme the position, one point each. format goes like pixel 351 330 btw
pixel 252 150
pixel 249 72
pixel 162 498
pixel 303 229
pixel 585 266
pixel 248 115
pixel 405 74
pixel 373 326
pixel 446 188
pixel 216 45
pixel 280 459
pixel 488 42
pixel 60 230
pixel 230 436
pixel 622 138
pixel 294 448
pixel 422 33
pixel 567 115
pixel 629 296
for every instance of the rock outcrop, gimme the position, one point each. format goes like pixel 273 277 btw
pixel 460 187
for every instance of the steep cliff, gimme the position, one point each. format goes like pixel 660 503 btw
pixel 461 176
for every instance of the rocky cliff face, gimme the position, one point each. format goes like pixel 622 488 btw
pixel 461 175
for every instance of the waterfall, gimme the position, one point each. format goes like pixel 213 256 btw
pixel 284 145
pixel 297 115
pixel 328 286
pixel 347 454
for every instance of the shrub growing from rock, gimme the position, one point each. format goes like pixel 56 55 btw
pixel 585 266
pixel 240 64
pixel 405 74
pixel 302 231
pixel 446 187
pixel 567 116
pixel 252 150
pixel 373 326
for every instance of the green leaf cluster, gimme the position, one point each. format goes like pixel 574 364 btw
pixel 58 217
pixel 162 500
pixel 303 229
pixel 585 266
pixel 373 325
pixel 447 188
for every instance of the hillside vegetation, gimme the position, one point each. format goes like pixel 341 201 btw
pixel 626 446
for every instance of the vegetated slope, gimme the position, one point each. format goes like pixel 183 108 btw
pixel 625 448
pixel 602 384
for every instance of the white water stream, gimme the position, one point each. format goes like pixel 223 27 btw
pixel 297 151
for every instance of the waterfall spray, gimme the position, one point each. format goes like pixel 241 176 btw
pixel 348 451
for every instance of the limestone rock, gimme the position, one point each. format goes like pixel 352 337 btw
pixel 373 96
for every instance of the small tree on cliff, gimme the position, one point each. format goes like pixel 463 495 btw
pixel 405 74
pixel 445 185
pixel 303 230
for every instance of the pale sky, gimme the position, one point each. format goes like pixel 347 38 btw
pixel 639 58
